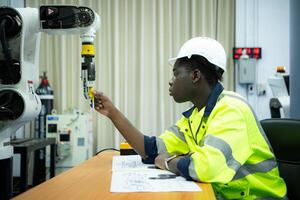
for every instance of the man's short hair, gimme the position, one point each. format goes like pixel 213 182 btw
pixel 211 72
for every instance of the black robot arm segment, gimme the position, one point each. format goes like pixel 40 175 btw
pixel 65 17
pixel 10 27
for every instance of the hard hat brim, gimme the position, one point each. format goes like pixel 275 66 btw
pixel 173 60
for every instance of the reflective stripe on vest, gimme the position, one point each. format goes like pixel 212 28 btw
pixel 176 131
pixel 272 198
pixel 262 167
pixel 225 148
pixel 161 147
pixel 192 171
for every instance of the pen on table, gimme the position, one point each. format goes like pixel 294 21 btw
pixel 164 176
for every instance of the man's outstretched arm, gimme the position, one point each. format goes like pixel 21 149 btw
pixel 132 135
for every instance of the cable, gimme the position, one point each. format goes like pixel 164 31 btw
pixel 107 149
pixel 74 120
pixel 6 111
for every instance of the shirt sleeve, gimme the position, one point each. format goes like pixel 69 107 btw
pixel 150 149
pixel 171 142
pixel 183 167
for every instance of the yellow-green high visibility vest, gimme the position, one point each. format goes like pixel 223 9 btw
pixel 229 150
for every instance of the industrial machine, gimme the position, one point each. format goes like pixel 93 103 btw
pixel 19 58
pixel 73 133
pixel 280 103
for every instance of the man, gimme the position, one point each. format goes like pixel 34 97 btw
pixel 218 140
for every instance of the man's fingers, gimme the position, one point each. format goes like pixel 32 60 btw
pixel 100 96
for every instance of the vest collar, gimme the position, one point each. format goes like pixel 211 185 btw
pixel 188 112
pixel 210 104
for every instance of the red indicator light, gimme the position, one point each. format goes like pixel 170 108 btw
pixel 254 52
pixel 239 51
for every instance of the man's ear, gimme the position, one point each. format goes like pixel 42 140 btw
pixel 196 76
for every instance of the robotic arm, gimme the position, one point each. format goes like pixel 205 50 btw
pixel 75 20
pixel 19 58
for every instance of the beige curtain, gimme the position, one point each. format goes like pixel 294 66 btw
pixel 133 45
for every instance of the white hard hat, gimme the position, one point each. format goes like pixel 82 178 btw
pixel 209 48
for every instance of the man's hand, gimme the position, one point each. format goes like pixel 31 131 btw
pixel 103 104
pixel 132 135
pixel 172 164
pixel 160 161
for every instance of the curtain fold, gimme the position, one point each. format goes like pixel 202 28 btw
pixel 133 45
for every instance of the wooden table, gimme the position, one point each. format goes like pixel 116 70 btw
pixel 92 179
